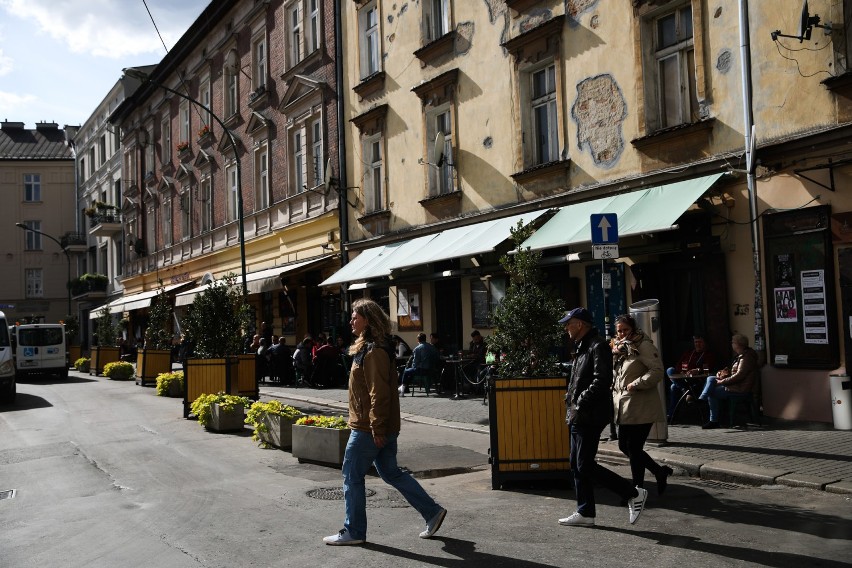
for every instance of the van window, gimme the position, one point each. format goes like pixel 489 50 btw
pixel 38 337
pixel 4 334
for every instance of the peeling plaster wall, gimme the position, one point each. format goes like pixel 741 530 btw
pixel 599 112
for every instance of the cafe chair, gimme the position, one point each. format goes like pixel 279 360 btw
pixel 422 379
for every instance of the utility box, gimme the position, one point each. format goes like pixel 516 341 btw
pixel 841 401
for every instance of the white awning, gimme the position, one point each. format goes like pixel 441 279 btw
pixel 639 212
pixel 266 280
pixel 470 240
pixel 133 301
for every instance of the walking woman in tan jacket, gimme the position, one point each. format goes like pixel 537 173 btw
pixel 638 370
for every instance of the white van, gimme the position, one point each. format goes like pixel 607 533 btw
pixel 40 349
pixel 7 364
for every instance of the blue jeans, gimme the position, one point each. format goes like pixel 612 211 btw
pixel 713 393
pixel 676 388
pixel 361 451
pixel 587 471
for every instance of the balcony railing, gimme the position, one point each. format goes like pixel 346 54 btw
pixel 89 285
pixel 104 224
pixel 74 242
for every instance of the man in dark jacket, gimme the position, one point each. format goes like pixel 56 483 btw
pixel 589 401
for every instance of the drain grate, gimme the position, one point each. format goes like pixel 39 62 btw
pixel 720 484
pixel 7 494
pixel 331 494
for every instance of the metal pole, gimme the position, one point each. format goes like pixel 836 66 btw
pixel 144 77
pixel 748 123
pixel 67 258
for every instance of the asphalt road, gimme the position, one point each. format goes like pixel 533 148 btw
pixel 107 474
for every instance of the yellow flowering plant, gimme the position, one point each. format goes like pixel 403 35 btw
pixel 318 421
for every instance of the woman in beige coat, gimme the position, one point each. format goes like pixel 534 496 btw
pixel 637 372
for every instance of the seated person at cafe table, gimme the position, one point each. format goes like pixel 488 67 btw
pixel 423 360
pixel 736 381
pixel 476 354
pixel 692 363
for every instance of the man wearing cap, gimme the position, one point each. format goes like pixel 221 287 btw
pixel 589 401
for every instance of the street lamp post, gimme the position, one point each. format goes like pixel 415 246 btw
pixel 67 257
pixel 144 77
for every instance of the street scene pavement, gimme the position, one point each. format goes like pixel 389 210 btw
pixel 108 474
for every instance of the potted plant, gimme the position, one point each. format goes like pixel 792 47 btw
pixel 214 327
pixel 273 423
pixel 106 351
pixel 72 329
pixel 220 412
pixel 320 439
pixel 82 365
pixel 118 370
pixel 170 384
pixel 529 437
pixel 156 355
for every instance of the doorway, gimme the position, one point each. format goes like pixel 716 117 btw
pixel 448 316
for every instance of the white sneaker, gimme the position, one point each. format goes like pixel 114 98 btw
pixel 636 504
pixel 342 538
pixel 577 520
pixel 434 524
pixel 401 390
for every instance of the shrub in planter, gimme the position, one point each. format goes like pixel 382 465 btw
pixel 208 416
pixel 272 423
pixel 320 439
pixel 170 384
pixel 82 364
pixel 118 370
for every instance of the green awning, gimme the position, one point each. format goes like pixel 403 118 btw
pixel 639 212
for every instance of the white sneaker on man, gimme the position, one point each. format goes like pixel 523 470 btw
pixel 342 538
pixel 636 504
pixel 577 520
pixel 434 524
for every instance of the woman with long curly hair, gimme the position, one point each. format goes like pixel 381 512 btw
pixel 374 421
pixel 637 372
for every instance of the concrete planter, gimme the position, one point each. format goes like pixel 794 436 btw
pixel 321 445
pixel 226 420
pixel 279 431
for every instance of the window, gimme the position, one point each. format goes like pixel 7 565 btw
pixel 295 34
pixel 130 164
pixel 313 37
pixel 166 140
pixel 261 176
pixel 675 56
pixel 298 162
pixel 231 94
pixel 206 205
pixel 149 149
pixel 33 239
pixel 34 282
pixel 167 222
pixel 259 63
pixel 368 30
pixel 373 174
pixel 184 121
pixel 206 101
pixel 436 19
pixel 440 177
pixel 545 117
pixel 92 163
pixel 103 148
pixel 233 189
pixel 151 228
pixel 186 214
pixel 317 154
pixel 32 187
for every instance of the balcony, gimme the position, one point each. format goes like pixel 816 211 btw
pixel 89 286
pixel 104 224
pixel 74 242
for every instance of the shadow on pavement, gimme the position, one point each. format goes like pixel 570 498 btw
pixel 465 552
pixel 52 380
pixel 25 401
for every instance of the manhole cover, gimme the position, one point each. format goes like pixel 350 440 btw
pixel 332 494
pixel 7 494
pixel 720 484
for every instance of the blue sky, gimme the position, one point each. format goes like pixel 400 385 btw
pixel 60 58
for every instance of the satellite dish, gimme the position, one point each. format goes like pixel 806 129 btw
pixel 438 149
pixel 804 31
pixel 327 177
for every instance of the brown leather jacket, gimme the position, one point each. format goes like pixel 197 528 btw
pixel 743 373
pixel 373 396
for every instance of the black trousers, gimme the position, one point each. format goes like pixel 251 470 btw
pixel 587 471
pixel 631 442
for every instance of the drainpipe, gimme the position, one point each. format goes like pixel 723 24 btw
pixel 342 185
pixel 748 123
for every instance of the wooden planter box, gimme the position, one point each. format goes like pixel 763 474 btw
pixel 227 420
pixel 529 436
pixel 247 381
pixel 74 352
pixel 320 445
pixel 208 376
pixel 100 357
pixel 279 431
pixel 150 363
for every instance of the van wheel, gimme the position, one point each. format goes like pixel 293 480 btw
pixel 64 374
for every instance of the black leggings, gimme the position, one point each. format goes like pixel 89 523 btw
pixel 631 442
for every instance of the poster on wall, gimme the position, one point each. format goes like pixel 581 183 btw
pixel 785 305
pixel 784 275
pixel 814 315
pixel 408 308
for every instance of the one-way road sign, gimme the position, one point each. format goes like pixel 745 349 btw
pixel 604 228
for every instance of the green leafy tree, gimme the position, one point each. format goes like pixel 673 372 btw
pixel 107 329
pixel 527 319
pixel 72 329
pixel 216 319
pixel 157 334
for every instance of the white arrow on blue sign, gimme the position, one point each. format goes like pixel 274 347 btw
pixel 604 228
